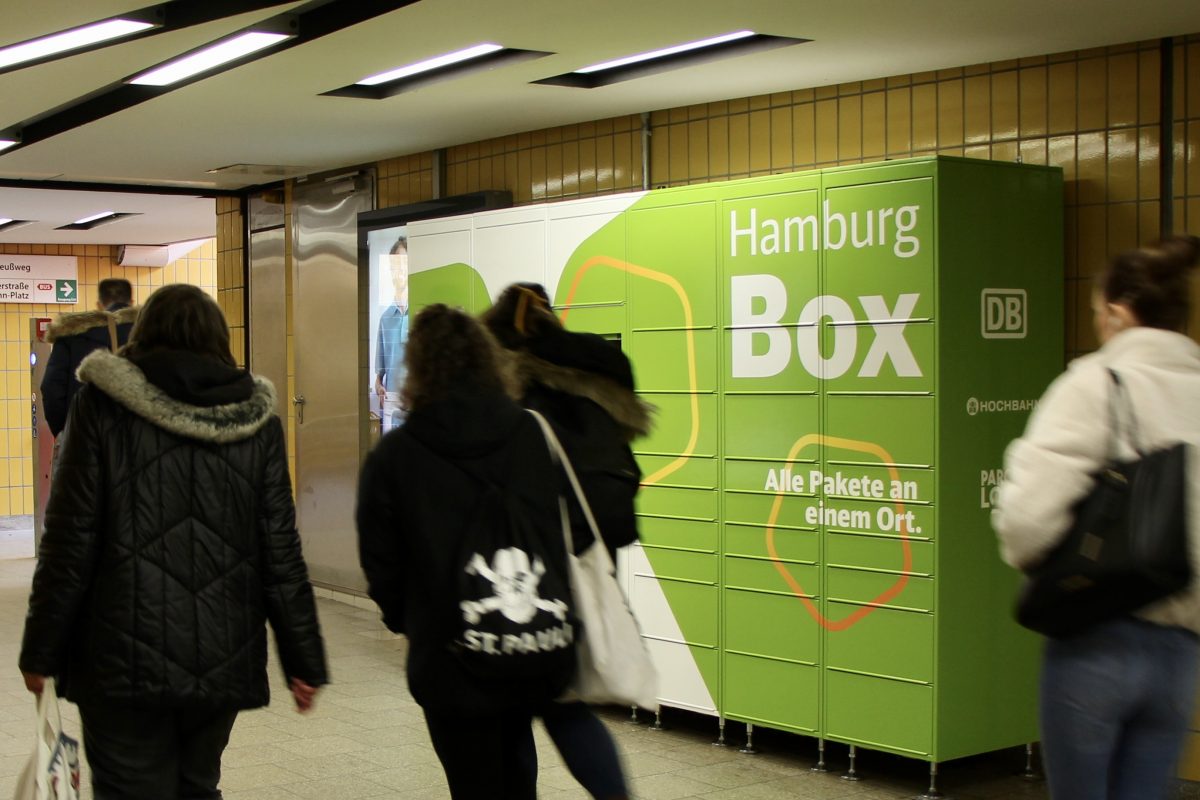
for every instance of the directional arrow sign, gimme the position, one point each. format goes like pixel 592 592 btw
pixel 65 291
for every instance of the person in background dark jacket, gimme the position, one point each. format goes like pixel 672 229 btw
pixel 77 335
pixel 170 540
pixel 583 384
pixel 417 498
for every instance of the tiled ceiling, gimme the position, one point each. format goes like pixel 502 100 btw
pixel 272 111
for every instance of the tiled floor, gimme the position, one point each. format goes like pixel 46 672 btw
pixel 366 738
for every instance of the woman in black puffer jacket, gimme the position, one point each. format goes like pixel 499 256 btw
pixel 170 540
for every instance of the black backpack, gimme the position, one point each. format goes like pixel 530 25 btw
pixel 515 617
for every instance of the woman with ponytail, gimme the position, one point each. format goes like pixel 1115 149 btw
pixel 1116 699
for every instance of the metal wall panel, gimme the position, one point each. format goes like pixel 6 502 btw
pixel 268 312
pixel 326 338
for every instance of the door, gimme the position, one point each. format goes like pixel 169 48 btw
pixel 329 372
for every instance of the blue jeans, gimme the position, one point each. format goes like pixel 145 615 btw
pixel 1115 708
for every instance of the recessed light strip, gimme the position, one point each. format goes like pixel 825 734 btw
pixel 93 218
pixel 431 64
pixel 71 40
pixel 667 51
pixel 209 58
pixel 4 221
pixel 7 143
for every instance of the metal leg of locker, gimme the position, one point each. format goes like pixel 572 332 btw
pixel 932 793
pixel 852 773
pixel 749 748
pixel 720 742
pixel 820 765
pixel 657 726
pixel 1030 773
pixel 633 716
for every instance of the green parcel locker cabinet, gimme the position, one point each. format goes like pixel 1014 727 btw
pixel 838 359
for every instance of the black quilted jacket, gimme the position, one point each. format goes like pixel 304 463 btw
pixel 170 541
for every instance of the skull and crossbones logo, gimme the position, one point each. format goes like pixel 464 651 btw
pixel 515 584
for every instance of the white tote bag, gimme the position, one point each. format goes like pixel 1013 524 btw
pixel 52 772
pixel 613 665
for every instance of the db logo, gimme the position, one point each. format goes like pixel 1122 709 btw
pixel 1004 313
pixel 45 287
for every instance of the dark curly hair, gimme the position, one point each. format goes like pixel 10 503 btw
pixel 1154 281
pixel 447 350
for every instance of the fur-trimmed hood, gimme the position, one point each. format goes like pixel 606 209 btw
pixel 634 415
pixel 77 322
pixel 124 382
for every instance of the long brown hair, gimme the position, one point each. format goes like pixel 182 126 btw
pixel 449 349
pixel 1154 281
pixel 180 316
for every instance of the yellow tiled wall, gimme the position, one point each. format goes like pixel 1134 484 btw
pixel 96 262
pixel 231 272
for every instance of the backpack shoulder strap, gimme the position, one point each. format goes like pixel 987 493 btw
pixel 114 343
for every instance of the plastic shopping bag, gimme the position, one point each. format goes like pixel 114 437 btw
pixel 52 772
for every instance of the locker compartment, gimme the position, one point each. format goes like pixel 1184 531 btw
pixel 680 416
pixel 776 693
pixel 679 533
pixel 877 552
pixel 901 426
pixel 768 475
pixel 687 675
pixel 772 625
pixel 916 486
pixel 755 509
pixel 880 713
pixel 675 610
pixel 861 586
pixel 662 359
pixel 677 502
pixel 897 644
pixel 768 576
pixel 699 472
pixel 790 545
pixel 877 353
pixel 682 564
pixel 769 425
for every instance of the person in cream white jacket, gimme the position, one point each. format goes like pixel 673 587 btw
pixel 1116 699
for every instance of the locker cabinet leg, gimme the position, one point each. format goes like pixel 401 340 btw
pixel 932 793
pixel 720 742
pixel 633 716
pixel 749 748
pixel 820 765
pixel 852 773
pixel 657 726
pixel 1030 773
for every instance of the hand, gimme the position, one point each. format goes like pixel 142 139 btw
pixel 380 391
pixel 34 682
pixel 303 694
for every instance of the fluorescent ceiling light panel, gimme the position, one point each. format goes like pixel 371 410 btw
pixel 93 218
pixel 5 220
pixel 209 58
pixel 431 64
pixel 71 40
pixel 7 143
pixel 666 51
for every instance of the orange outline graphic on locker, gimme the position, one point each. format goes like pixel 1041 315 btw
pixel 813 438
pixel 674 285
pixel 884 597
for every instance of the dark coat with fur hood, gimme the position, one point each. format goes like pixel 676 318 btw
pixel 170 541
pixel 75 336
pixel 583 384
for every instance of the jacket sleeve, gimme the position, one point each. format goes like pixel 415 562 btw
pixel 56 387
pixel 291 609
pixel 1049 469
pixel 380 545
pixel 70 545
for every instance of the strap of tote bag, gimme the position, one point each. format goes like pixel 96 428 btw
pixel 560 455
